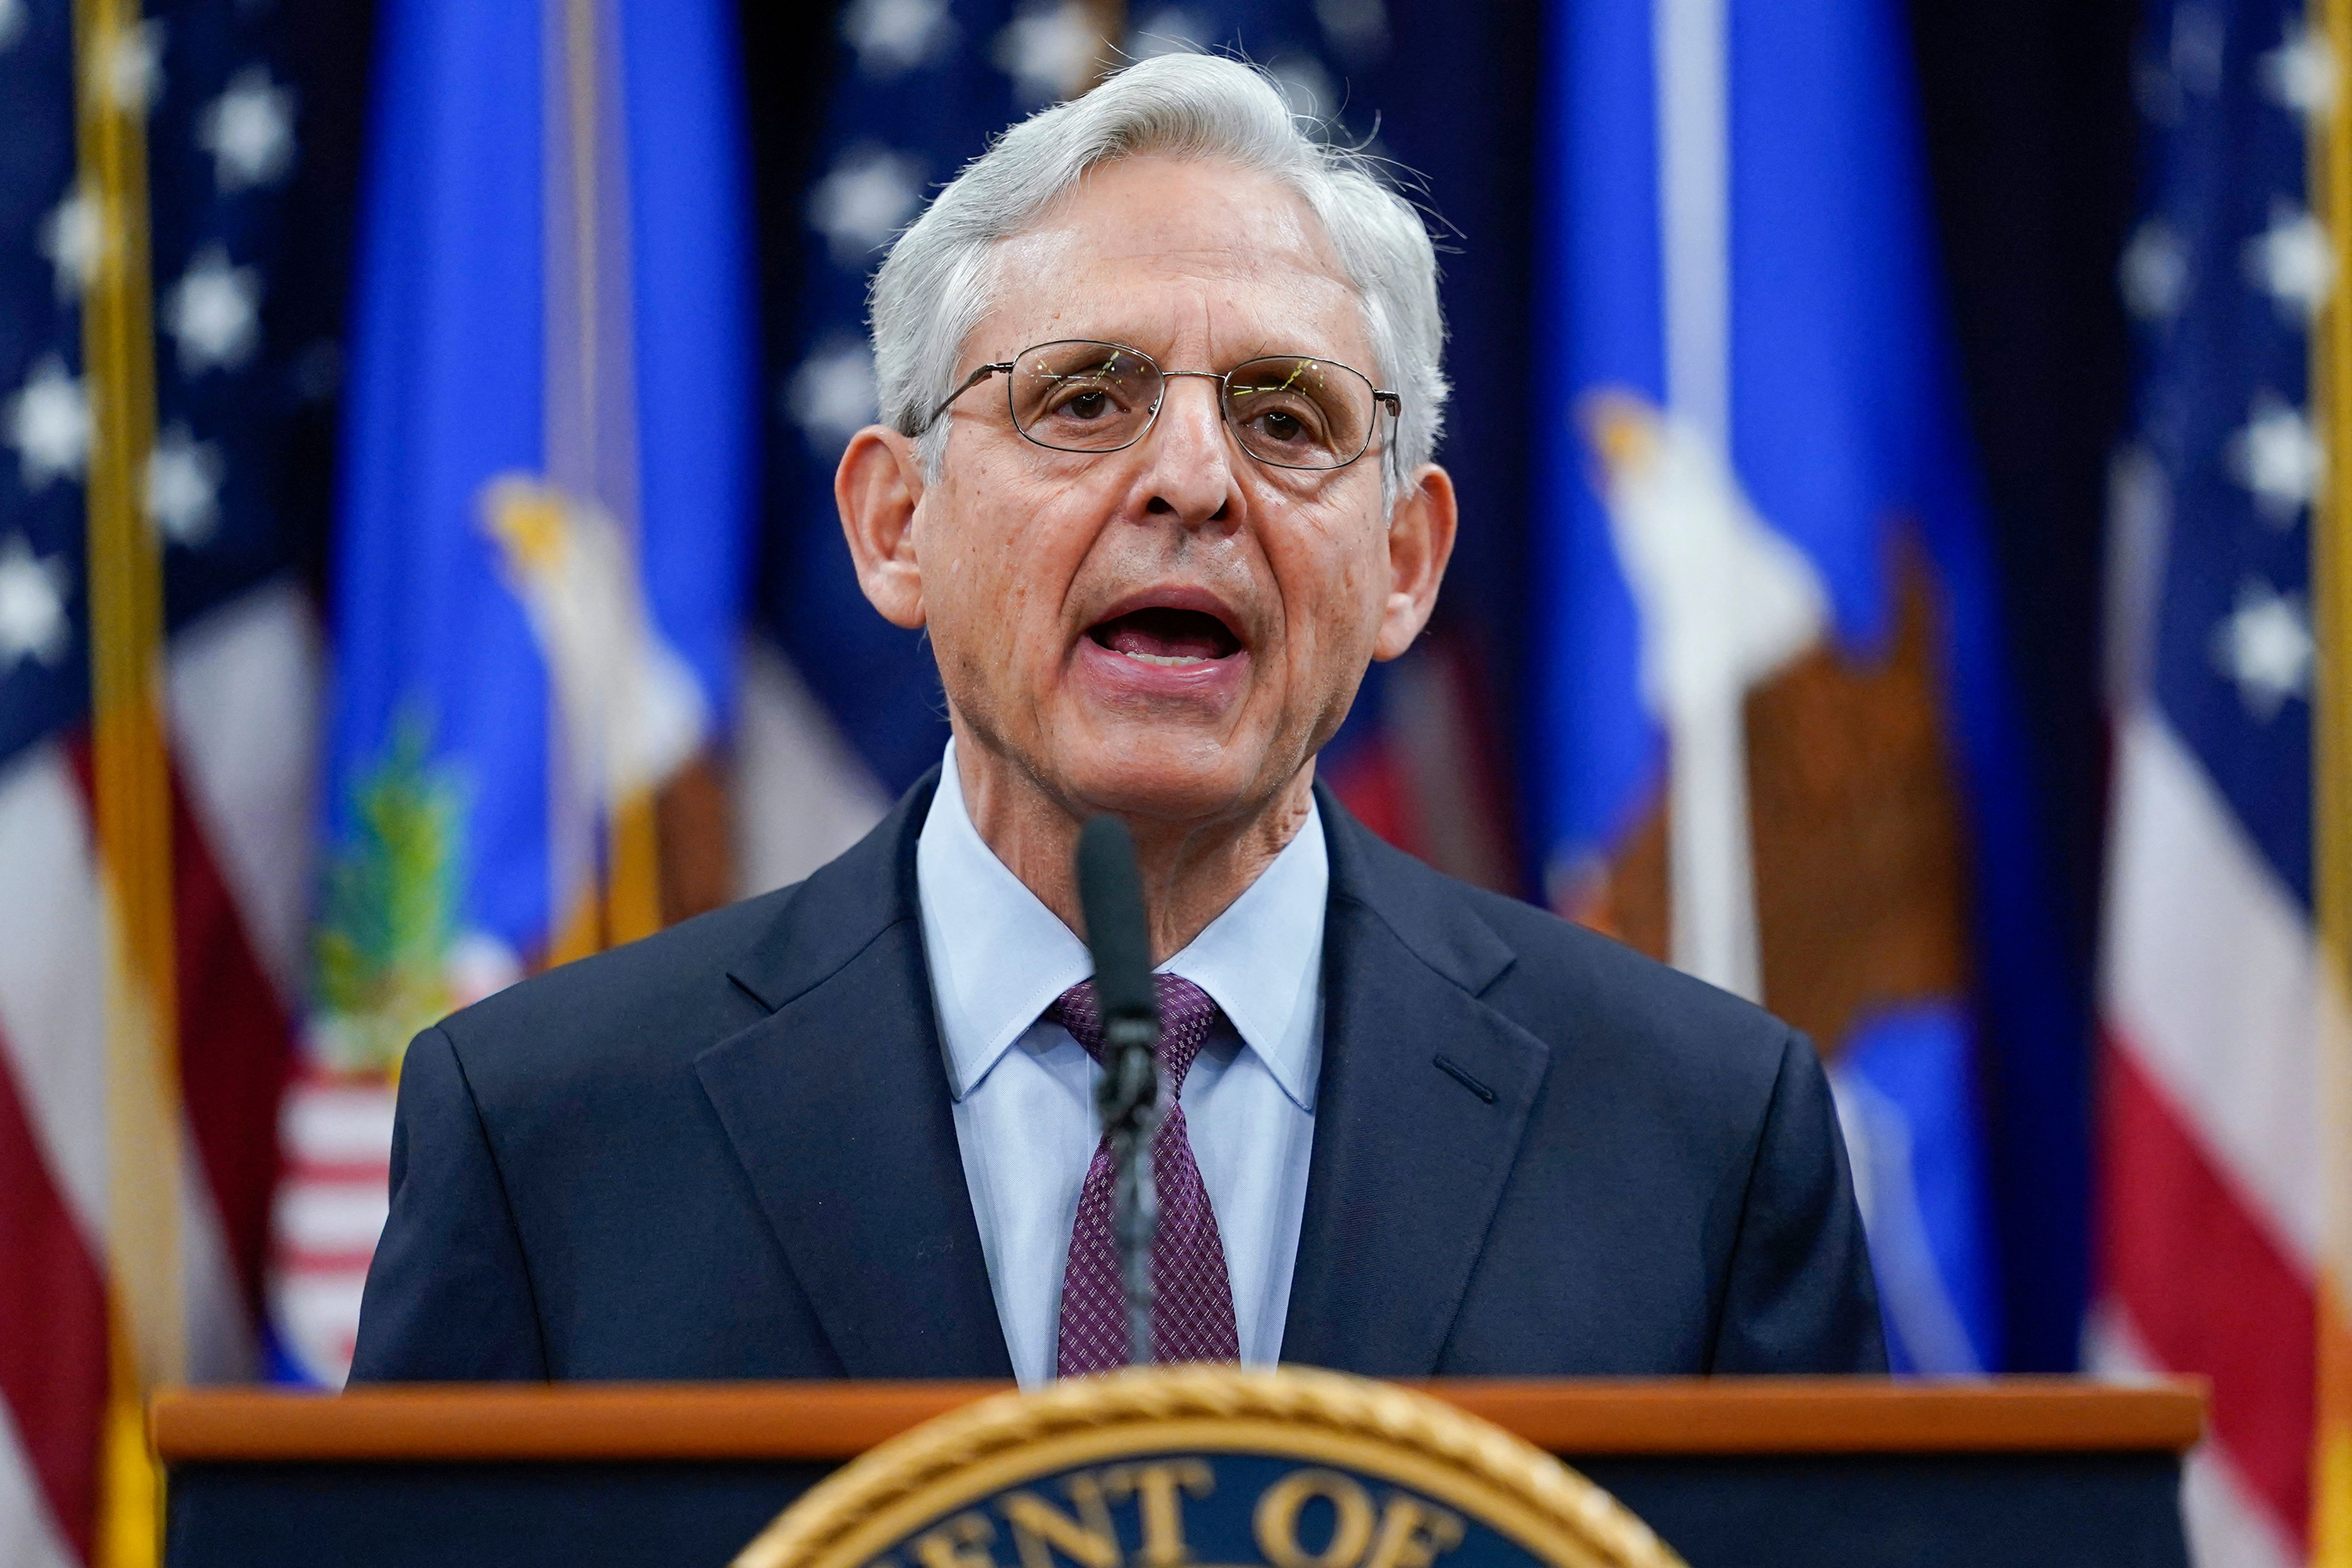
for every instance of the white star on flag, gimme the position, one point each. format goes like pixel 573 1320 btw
pixel 868 192
pixel 12 22
pixel 2275 456
pixel 249 130
pixel 183 477
pixel 2292 260
pixel 2300 75
pixel 831 397
pixel 1171 30
pixel 73 238
pixel 33 621
pixel 2154 272
pixel 48 424
pixel 1048 50
pixel 895 36
pixel 213 312
pixel 1359 28
pixel 2265 646
pixel 131 73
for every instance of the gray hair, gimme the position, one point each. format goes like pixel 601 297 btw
pixel 936 283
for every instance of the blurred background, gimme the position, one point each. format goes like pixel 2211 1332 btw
pixel 1887 449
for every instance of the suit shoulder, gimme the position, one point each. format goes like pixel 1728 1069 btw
pixel 1576 973
pixel 666 995
pixel 1546 941
pixel 1568 985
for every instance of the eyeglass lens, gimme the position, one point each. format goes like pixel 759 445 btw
pixel 1287 410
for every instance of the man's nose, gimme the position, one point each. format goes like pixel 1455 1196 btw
pixel 1192 475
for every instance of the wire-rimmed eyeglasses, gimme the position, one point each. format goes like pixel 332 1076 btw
pixel 1293 411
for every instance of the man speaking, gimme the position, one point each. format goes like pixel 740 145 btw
pixel 1161 381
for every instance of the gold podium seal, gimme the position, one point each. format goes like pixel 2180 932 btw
pixel 1207 1467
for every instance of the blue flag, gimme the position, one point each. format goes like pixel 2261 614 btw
pixel 546 496
pixel 1770 737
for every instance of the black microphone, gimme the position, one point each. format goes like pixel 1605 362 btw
pixel 1110 896
pixel 1110 892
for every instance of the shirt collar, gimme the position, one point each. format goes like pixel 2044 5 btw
pixel 998 956
pixel 1261 962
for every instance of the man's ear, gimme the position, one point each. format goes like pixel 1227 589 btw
pixel 878 488
pixel 1421 542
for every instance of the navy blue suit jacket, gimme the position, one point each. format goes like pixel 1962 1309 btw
pixel 728 1150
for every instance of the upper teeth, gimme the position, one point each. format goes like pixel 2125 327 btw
pixel 1164 658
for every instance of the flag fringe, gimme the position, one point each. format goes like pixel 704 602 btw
pixel 112 66
pixel 2330 183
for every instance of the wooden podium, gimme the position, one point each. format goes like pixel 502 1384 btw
pixel 1755 1473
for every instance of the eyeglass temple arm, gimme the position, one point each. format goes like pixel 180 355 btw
pixel 1395 405
pixel 974 379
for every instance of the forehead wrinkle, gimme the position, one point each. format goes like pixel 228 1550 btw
pixel 1285 223
pixel 1277 309
pixel 1070 259
pixel 1045 255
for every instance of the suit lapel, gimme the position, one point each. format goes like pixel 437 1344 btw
pixel 837 1107
pixel 1424 1096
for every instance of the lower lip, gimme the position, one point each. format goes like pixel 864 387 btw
pixel 1208 682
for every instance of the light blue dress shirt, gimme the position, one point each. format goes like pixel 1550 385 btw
pixel 1025 1090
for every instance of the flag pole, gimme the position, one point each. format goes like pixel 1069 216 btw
pixel 2330 179
pixel 131 778
pixel 591 438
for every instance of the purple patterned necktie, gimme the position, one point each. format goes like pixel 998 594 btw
pixel 1192 1299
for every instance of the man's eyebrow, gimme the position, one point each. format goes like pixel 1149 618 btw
pixel 1266 346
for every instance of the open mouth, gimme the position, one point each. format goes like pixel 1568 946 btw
pixel 1167 637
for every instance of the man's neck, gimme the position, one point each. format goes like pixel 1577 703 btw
pixel 1192 871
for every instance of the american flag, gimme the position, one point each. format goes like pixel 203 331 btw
pixel 2209 1236
pixel 191 433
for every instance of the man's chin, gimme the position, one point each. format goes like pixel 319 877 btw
pixel 1162 773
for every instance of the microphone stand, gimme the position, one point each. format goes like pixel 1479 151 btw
pixel 1128 1101
pixel 1110 893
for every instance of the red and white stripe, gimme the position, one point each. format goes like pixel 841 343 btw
pixel 2208 1227
pixel 243 700
pixel 336 1133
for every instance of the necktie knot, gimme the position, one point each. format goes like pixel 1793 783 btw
pixel 1185 1013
